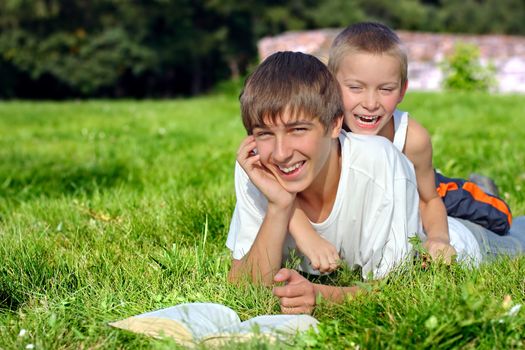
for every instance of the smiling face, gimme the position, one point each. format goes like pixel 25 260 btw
pixel 297 150
pixel 371 88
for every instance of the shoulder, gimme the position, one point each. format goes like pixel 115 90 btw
pixel 418 141
pixel 371 143
pixel 379 146
pixel 374 153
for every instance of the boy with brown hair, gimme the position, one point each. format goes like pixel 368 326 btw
pixel 358 191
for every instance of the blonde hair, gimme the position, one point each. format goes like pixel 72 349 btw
pixel 367 37
pixel 290 82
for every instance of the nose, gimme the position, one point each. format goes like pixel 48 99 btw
pixel 370 101
pixel 282 150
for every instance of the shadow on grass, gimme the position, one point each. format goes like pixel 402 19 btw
pixel 50 180
pixel 8 301
pixel 31 268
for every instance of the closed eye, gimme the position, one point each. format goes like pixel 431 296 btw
pixel 299 130
pixel 262 134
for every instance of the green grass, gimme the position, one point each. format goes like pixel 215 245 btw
pixel 109 209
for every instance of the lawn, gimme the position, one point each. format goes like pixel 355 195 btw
pixel 114 208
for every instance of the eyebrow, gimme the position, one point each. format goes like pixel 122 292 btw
pixel 356 81
pixel 287 125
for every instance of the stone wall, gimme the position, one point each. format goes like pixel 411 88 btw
pixel 425 52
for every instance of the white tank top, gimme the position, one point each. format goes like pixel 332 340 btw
pixel 400 129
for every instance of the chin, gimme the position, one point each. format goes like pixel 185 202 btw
pixel 369 132
pixel 295 187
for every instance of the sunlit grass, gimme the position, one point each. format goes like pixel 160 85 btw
pixel 109 209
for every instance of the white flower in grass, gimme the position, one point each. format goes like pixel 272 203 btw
pixel 30 346
pixel 22 332
pixel 514 310
pixel 511 313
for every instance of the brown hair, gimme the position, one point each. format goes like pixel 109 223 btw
pixel 368 37
pixel 290 82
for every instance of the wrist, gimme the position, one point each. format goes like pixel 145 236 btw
pixel 439 239
pixel 336 294
pixel 281 207
pixel 438 235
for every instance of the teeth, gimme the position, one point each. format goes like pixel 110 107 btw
pixel 368 119
pixel 290 169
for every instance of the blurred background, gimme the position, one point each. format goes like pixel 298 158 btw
pixel 60 49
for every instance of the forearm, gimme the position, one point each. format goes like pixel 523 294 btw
pixel 264 258
pixel 336 294
pixel 300 226
pixel 434 218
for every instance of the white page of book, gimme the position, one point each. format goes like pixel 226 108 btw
pixel 283 324
pixel 202 319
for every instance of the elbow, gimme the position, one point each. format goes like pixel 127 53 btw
pixel 240 272
pixel 234 273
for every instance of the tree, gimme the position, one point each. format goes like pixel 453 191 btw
pixel 64 48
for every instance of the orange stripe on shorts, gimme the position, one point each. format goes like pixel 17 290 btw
pixel 445 187
pixel 481 196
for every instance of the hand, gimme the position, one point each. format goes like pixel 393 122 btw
pixel 440 250
pixel 322 254
pixel 261 177
pixel 298 294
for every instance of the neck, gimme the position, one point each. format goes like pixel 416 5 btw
pixel 388 130
pixel 317 201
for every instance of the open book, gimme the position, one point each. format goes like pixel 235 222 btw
pixel 213 324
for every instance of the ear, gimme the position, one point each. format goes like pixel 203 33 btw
pixel 337 126
pixel 403 92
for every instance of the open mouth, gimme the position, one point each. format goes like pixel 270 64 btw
pixel 367 121
pixel 291 170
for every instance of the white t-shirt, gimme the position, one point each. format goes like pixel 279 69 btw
pixel 375 212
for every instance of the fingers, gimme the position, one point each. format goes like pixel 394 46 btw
pixel 329 263
pixel 298 296
pixel 441 252
pixel 445 255
pixel 247 159
pixel 294 281
pixel 325 263
pixel 301 301
pixel 246 147
pixel 283 275
pixel 295 310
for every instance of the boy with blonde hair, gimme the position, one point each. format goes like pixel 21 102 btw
pixel 370 64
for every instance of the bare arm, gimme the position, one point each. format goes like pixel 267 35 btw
pixel 322 254
pixel 264 258
pixel 433 211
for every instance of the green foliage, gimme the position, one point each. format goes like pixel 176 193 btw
pixel 336 13
pixel 80 60
pixel 232 87
pixel 463 70
pixel 481 17
pixel 119 48
pixel 69 48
